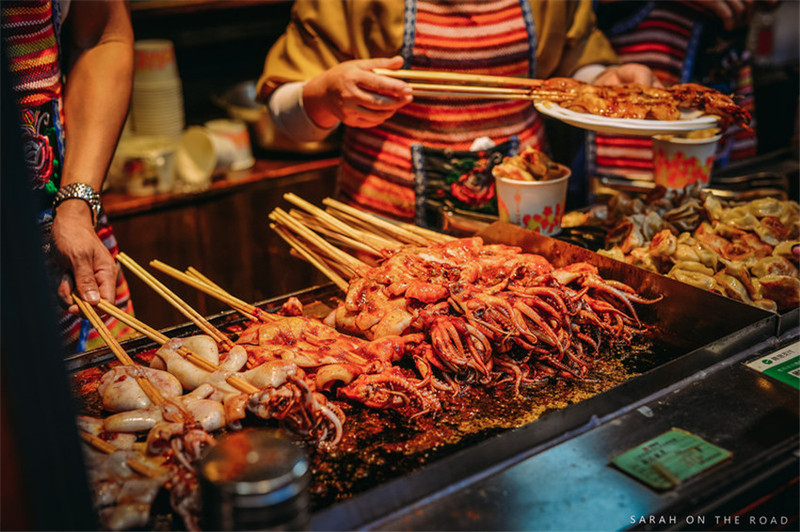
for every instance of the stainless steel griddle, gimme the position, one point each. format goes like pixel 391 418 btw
pixel 554 473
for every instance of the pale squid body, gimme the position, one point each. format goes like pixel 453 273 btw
pixel 270 374
pixel 208 413
pixel 121 391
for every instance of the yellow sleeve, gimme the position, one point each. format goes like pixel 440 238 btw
pixel 568 38
pixel 322 34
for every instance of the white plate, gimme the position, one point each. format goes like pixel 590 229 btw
pixel 691 121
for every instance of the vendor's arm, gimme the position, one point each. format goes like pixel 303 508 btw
pixel 322 36
pixel 97 92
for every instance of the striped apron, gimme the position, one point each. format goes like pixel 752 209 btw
pixel 32 31
pixel 472 36
pixel 667 38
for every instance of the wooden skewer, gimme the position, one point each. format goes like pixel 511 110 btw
pixel 282 217
pixel 362 224
pixel 183 307
pixel 430 75
pixel 369 239
pixel 160 338
pixel 147 387
pixel 332 236
pixel 212 290
pixel 311 257
pixel 389 227
pixel 496 92
pixel 427 233
pixel 140 465
pixel 246 307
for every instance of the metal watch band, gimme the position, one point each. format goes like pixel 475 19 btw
pixel 80 191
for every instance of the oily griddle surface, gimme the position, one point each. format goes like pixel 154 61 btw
pixel 378 446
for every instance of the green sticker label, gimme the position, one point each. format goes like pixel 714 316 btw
pixel 669 459
pixel 782 365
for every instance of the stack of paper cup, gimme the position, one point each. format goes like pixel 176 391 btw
pixel 157 103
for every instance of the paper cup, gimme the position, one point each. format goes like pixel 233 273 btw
pixel 201 156
pixel 680 161
pixel 236 132
pixel 154 61
pixel 534 205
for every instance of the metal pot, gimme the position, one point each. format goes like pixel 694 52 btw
pixel 240 103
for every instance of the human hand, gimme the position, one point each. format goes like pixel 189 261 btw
pixel 81 253
pixel 732 13
pixel 351 93
pixel 628 73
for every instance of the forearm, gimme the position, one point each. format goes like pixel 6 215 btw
pixel 95 105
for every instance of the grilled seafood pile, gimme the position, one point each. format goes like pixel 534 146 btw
pixel 490 314
pixel 740 250
pixel 643 102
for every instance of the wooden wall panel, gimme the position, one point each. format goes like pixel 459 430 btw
pixel 225 236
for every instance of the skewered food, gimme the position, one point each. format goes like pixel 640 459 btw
pixel 622 101
pixel 440 321
pixel 643 102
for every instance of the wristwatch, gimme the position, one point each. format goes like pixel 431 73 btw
pixel 80 191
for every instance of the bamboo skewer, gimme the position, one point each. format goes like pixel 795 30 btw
pixel 475 85
pixel 311 257
pixel 431 235
pixel 183 307
pixel 282 217
pixel 147 387
pixel 389 227
pixel 140 465
pixel 496 92
pixel 160 338
pixel 369 239
pixel 430 75
pixel 250 311
pixel 362 224
pixel 337 238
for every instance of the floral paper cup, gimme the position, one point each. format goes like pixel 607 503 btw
pixel 681 161
pixel 534 205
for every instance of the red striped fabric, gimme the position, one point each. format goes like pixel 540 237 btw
pixel 661 41
pixel 473 36
pixel 32 50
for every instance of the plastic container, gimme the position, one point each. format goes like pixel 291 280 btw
pixel 535 205
pixel 254 480
pixel 143 165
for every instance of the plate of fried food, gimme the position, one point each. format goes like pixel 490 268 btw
pixel 637 109
pixel 689 121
